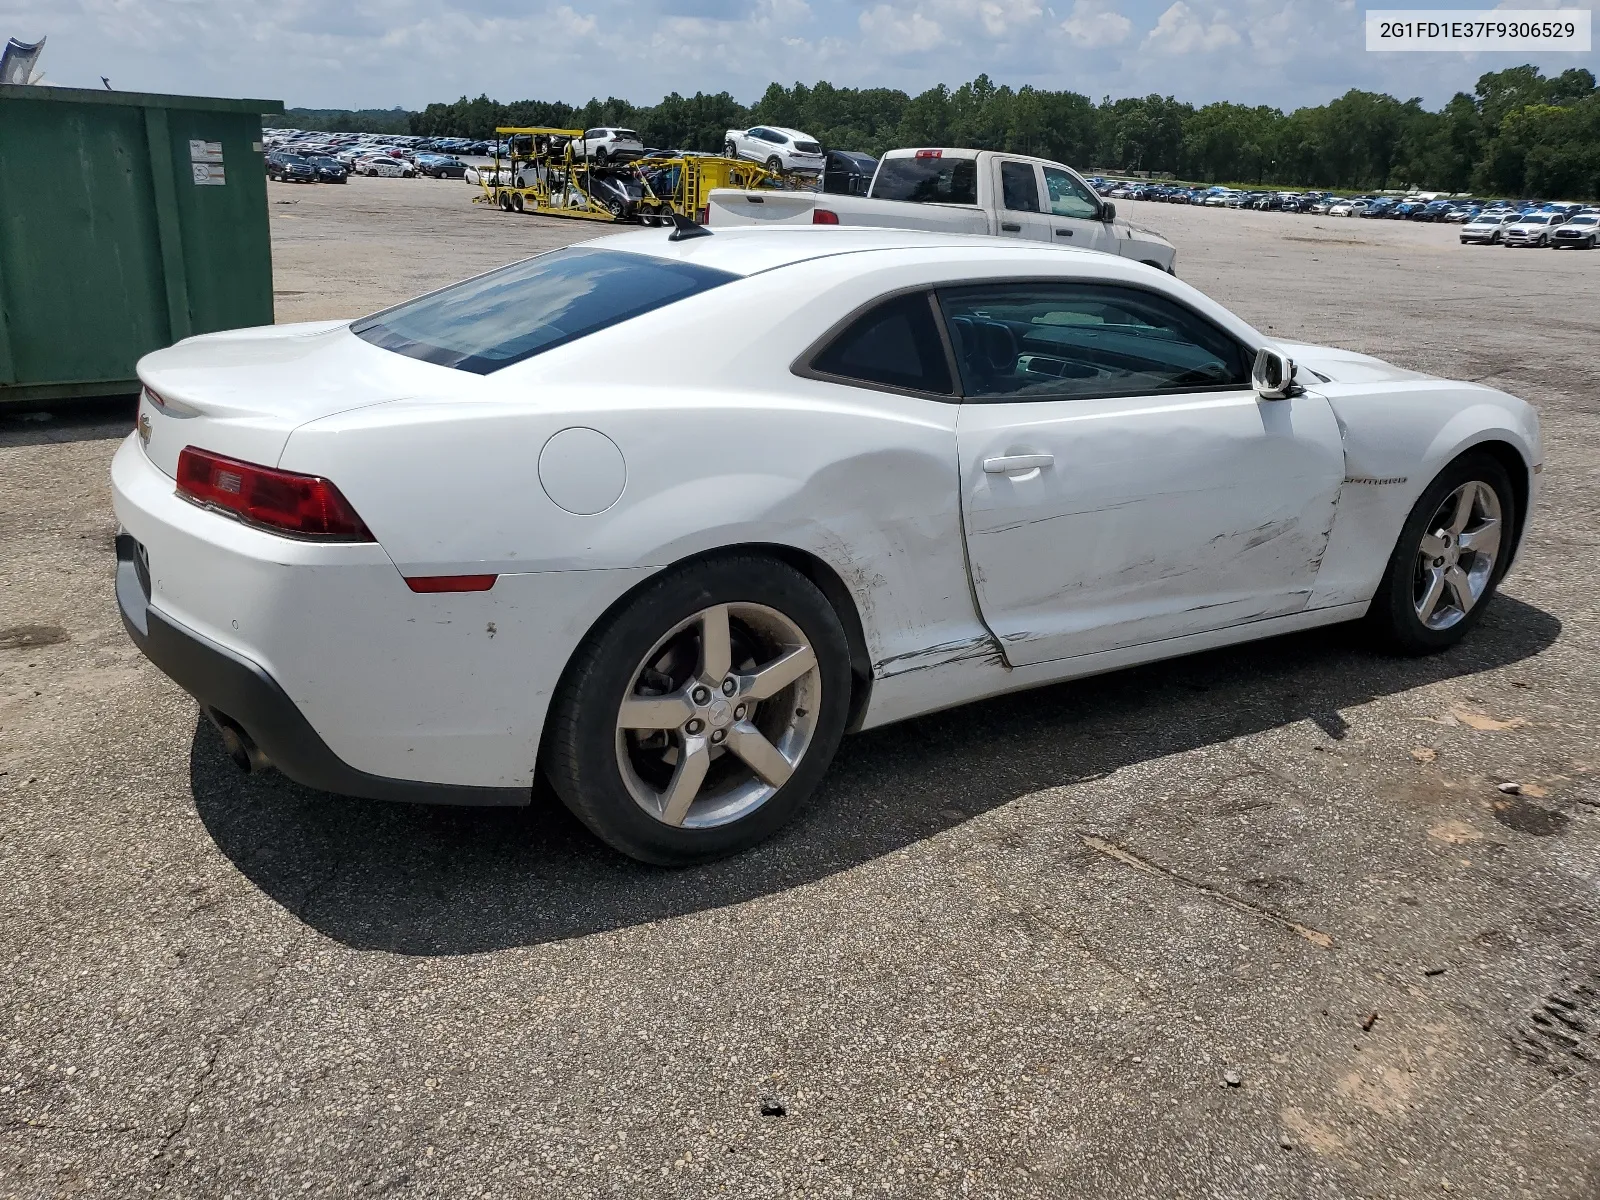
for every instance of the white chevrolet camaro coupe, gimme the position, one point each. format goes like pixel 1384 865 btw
pixel 431 553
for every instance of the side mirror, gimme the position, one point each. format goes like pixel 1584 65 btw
pixel 1273 375
pixel 1108 211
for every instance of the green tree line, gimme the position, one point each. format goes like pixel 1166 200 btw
pixel 1518 133
pixel 361 120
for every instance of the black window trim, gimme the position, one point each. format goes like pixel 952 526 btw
pixel 803 364
pixel 1047 398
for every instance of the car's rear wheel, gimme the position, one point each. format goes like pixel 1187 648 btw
pixel 698 719
pixel 775 164
pixel 1452 552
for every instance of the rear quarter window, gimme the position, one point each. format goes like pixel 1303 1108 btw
pixel 483 324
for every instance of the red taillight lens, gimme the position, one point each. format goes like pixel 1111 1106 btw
pixel 930 153
pixel 304 506
pixel 824 216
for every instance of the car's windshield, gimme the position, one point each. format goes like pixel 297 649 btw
pixel 511 314
pixel 927 180
pixel 1583 220
pixel 1535 220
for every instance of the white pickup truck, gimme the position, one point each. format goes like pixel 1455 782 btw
pixel 959 191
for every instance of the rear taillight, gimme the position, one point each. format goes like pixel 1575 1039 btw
pixel 303 506
pixel 824 216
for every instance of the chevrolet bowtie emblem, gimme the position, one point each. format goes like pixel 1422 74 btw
pixel 144 428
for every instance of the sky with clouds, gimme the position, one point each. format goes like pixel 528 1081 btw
pixel 382 53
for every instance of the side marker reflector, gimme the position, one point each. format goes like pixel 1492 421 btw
pixel 450 583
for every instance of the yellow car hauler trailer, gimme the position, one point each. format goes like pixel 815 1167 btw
pixel 547 177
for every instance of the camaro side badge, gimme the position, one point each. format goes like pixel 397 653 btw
pixel 144 428
pixel 1375 482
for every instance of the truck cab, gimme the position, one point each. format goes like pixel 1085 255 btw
pixel 957 190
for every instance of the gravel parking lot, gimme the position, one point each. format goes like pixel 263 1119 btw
pixel 1258 922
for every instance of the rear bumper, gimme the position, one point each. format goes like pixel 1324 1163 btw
pixel 232 689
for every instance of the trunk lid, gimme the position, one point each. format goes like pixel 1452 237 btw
pixel 242 392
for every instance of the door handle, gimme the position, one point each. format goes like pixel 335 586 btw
pixel 1063 233
pixel 1006 227
pixel 1017 462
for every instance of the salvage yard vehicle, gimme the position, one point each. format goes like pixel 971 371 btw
pixel 330 169
pixel 1531 229
pixel 607 144
pixel 291 168
pixel 848 173
pixel 778 149
pixel 425 554
pixel 1579 233
pixel 961 191
pixel 1487 228
pixel 385 166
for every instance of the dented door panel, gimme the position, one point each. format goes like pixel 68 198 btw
pixel 1157 516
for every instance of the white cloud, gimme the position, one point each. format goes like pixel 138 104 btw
pixel 1095 23
pixel 1000 18
pixel 378 53
pixel 1180 31
pixel 900 32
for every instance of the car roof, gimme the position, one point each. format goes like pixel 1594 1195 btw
pixel 785 130
pixel 750 250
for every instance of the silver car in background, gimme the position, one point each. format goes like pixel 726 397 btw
pixel 1581 232
pixel 1531 229
pixel 1486 228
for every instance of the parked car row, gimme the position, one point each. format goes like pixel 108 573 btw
pixel 1484 222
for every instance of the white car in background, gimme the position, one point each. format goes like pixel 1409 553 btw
pixel 1486 228
pixel 608 144
pixel 778 148
pixel 1581 232
pixel 1347 208
pixel 1531 229
pixel 384 165
pixel 423 554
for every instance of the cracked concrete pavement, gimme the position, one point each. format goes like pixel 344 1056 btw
pixel 1021 949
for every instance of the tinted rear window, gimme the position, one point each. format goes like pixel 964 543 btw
pixel 895 344
pixel 927 180
pixel 518 311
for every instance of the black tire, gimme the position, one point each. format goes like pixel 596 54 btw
pixel 505 201
pixel 516 201
pixel 1393 617
pixel 729 150
pixel 600 157
pixel 775 164
pixel 580 753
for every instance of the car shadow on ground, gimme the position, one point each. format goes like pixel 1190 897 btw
pixel 435 881
pixel 88 420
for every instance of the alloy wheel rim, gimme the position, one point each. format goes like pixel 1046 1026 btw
pixel 1457 555
pixel 718 715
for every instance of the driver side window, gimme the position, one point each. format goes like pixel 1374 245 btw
pixel 1068 197
pixel 1067 341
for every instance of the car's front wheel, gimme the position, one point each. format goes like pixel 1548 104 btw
pixel 698 719
pixel 1452 552
pixel 730 150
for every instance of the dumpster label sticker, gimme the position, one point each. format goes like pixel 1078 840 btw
pixel 205 152
pixel 209 173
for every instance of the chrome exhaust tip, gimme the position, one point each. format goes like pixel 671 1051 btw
pixel 247 756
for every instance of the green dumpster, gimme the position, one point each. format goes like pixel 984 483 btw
pixel 127 221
